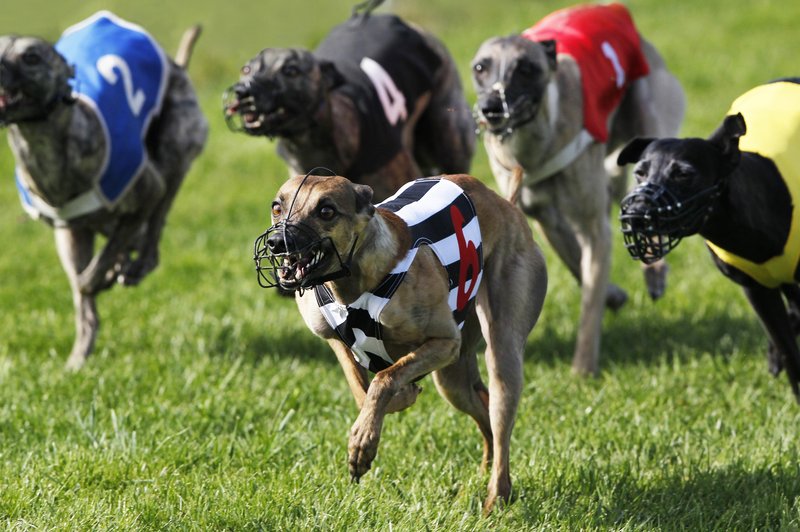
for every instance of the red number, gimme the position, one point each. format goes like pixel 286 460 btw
pixel 469 265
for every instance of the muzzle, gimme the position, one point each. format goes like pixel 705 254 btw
pixel 653 220
pixel 288 253
pixel 238 100
pixel 502 122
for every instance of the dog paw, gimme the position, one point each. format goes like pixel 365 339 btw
pixel 774 360
pixel 406 397
pixel 616 297
pixel 362 448
pixel 655 277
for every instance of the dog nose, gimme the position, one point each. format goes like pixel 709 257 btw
pixel 276 243
pixel 492 105
pixel 241 90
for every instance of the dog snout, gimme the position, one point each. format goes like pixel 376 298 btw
pixel 492 106
pixel 7 74
pixel 276 243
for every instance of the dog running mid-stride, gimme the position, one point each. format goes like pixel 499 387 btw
pixel 379 101
pixel 408 287
pixel 103 127
pixel 554 101
pixel 739 190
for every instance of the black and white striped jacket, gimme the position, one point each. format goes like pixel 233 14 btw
pixel 440 215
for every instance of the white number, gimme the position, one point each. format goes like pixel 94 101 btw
pixel 106 66
pixel 392 100
pixel 611 54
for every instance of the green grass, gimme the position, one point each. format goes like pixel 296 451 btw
pixel 209 406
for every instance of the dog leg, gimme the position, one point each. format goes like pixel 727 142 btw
pixel 356 377
pixel 75 248
pixel 561 236
pixel 366 431
pixel 95 277
pixel 461 385
pixel 595 267
pixel 771 310
pixel 506 318
pixel 792 295
pixel 444 137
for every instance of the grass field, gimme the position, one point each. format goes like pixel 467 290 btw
pixel 209 406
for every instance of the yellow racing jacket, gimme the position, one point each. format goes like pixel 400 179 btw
pixel 772 116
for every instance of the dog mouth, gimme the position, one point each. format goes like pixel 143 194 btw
pixel 296 269
pixel 242 113
pixel 9 99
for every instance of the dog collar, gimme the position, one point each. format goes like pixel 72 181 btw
pixel 560 160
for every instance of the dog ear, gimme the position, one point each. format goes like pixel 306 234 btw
pixel 364 199
pixel 727 135
pixel 633 151
pixel 549 47
pixel 331 76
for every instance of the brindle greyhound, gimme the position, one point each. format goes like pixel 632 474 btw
pixel 379 101
pixel 407 288
pixel 61 149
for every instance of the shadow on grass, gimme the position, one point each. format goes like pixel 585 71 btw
pixel 635 339
pixel 731 498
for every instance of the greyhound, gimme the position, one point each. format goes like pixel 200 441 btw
pixel 379 101
pixel 552 110
pixel 102 142
pixel 739 190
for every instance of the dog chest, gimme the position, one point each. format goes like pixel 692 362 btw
pixel 440 215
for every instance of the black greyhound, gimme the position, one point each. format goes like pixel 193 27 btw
pixel 738 190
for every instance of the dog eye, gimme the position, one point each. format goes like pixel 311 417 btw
pixel 290 70
pixel 31 58
pixel 276 210
pixel 246 70
pixel 640 173
pixel 327 213
pixel 480 68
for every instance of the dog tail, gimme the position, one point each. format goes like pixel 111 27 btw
pixel 186 45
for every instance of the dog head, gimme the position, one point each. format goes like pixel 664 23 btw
pixel 679 181
pixel 510 76
pixel 316 221
pixel 279 92
pixel 34 78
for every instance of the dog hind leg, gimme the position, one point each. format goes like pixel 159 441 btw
pixel 510 300
pixel 75 248
pixel 792 295
pixel 771 310
pixel 461 385
pixel 444 137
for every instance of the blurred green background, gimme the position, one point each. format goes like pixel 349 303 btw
pixel 209 406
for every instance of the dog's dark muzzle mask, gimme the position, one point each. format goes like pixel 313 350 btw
pixel 293 256
pixel 654 220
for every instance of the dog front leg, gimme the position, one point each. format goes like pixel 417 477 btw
pixel 366 431
pixel 595 266
pixel 771 310
pixel 99 274
pixel 356 376
pixel 75 247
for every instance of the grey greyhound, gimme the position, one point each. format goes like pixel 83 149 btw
pixel 81 172
pixel 547 138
